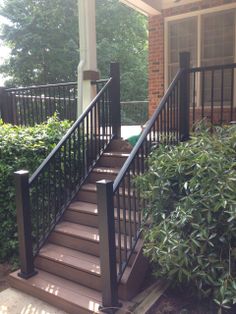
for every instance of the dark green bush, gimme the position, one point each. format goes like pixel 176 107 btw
pixel 21 148
pixel 192 239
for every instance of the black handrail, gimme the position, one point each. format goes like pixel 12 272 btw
pixel 145 133
pixel 70 131
pixel 44 197
pixel 13 89
pixel 119 203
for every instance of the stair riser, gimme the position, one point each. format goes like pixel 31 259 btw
pixel 75 243
pixel 112 161
pixel 89 280
pixel 43 295
pixel 94 177
pixel 92 221
pixel 81 245
pixel 91 196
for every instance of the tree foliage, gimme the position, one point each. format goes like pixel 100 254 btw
pixel 193 237
pixel 43 37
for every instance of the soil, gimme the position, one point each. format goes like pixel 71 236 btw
pixel 5 269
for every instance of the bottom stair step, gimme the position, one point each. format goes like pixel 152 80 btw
pixel 64 294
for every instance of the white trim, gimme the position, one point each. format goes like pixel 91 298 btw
pixel 223 7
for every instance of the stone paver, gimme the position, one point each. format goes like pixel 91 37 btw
pixel 15 302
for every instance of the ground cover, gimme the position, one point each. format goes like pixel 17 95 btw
pixel 192 240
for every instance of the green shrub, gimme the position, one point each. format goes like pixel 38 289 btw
pixel 192 239
pixel 21 148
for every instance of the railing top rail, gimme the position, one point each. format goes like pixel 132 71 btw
pixel 99 81
pixel 144 134
pixel 213 67
pixel 40 86
pixel 134 102
pixel 69 132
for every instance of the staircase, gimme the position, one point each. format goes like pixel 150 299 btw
pixel 68 265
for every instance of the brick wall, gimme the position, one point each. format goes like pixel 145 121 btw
pixel 156 46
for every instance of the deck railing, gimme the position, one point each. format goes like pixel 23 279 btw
pixel 42 199
pixel 34 104
pixel 212 94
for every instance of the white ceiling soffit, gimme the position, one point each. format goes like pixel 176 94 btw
pixel 146 7
pixel 154 7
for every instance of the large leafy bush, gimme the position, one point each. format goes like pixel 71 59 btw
pixel 21 148
pixel 192 188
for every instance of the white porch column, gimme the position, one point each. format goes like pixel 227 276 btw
pixel 87 69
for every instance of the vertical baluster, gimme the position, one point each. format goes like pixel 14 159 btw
pixel 122 191
pixel 222 96
pixel 69 161
pixel 119 231
pixel 134 199
pixel 194 99
pixel 65 181
pixel 232 95
pixel 130 198
pixel 212 97
pixel 49 207
pixel 203 94
pixel 171 117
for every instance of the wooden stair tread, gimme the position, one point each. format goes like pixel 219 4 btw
pixel 84 232
pixel 107 170
pixel 63 289
pixel 91 209
pixel 76 259
pixel 77 230
pixel 116 154
pixel 91 187
pixel 70 257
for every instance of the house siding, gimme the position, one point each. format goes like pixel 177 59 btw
pixel 156 67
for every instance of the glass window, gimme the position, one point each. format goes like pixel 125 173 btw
pixel 218 44
pixel 182 35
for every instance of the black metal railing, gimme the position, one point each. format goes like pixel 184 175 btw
pixel 45 196
pixel 34 104
pixel 119 204
pixel 212 95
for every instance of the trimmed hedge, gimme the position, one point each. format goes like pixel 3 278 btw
pixel 192 239
pixel 21 148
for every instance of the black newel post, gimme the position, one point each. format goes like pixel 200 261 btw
pixel 115 99
pixel 184 111
pixel 24 224
pixel 106 222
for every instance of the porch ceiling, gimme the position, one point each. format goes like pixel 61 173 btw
pixel 154 7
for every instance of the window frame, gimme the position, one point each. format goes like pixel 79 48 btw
pixel 199 15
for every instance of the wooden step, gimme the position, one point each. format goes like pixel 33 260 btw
pixel 73 265
pixel 59 292
pixel 119 145
pixel 70 264
pixel 100 173
pixel 82 238
pixel 87 214
pixel 88 192
pixel 113 159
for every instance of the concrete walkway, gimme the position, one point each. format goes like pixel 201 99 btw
pixel 15 302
